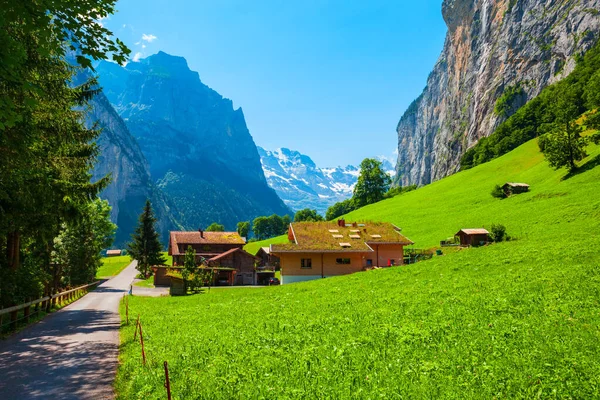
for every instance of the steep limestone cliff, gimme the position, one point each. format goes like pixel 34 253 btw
pixel 199 150
pixel 491 48
pixel 121 157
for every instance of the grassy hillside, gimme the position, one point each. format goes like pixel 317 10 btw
pixel 112 266
pixel 253 247
pixel 515 319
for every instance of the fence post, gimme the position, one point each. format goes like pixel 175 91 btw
pixel 13 320
pixel 167 383
pixel 127 308
pixel 26 314
pixel 142 342
pixel 137 324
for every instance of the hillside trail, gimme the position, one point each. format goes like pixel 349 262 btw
pixel 70 354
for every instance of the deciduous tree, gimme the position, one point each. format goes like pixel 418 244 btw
pixel 307 215
pixel 373 183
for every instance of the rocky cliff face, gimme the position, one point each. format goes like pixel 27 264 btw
pixel 121 157
pixel 492 46
pixel 199 150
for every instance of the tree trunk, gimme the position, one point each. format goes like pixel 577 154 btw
pixel 13 249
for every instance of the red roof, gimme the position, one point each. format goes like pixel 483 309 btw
pixel 478 231
pixel 228 252
pixel 184 238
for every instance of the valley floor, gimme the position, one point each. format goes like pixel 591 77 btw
pixel 517 319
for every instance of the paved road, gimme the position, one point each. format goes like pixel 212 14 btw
pixel 70 354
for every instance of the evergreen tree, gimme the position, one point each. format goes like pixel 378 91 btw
pixel 373 183
pixel 145 246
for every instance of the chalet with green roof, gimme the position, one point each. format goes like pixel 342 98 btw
pixel 321 249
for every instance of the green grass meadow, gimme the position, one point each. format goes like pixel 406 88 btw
pixel 253 247
pixel 112 266
pixel 518 319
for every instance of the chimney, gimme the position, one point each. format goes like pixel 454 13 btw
pixel 341 223
pixel 201 232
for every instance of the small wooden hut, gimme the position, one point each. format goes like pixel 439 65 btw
pixel 473 237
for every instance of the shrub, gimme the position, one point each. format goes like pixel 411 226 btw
pixel 497 192
pixel 498 233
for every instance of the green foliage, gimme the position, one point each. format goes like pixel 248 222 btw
pixel 189 263
pixel 253 247
pixel 47 154
pixel 267 227
pixel 498 321
pixel 340 208
pixel 498 233
pixel 145 246
pixel 215 227
pixel 498 192
pixel 505 104
pixel 78 247
pixel 564 145
pixel 243 228
pixel 373 182
pixel 307 215
pixel 539 115
pixel 33 33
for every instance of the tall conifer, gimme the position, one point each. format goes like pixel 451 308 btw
pixel 145 246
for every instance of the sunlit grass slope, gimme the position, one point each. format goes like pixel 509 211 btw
pixel 253 247
pixel 518 319
pixel 112 266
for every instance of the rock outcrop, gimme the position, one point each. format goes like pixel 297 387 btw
pixel 121 157
pixel 199 150
pixel 491 48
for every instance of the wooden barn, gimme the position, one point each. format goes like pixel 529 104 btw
pixel 473 237
pixel 267 259
pixel 511 188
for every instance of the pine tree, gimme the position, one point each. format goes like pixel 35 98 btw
pixel 145 246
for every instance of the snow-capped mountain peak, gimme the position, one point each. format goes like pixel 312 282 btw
pixel 301 184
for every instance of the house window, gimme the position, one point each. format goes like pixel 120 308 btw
pixel 369 262
pixel 344 261
pixel 306 263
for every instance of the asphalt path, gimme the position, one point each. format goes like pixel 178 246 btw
pixel 70 354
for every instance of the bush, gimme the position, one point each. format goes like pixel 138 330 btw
pixel 497 192
pixel 498 233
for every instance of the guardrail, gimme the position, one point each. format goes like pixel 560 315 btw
pixel 48 303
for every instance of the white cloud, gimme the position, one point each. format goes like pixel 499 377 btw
pixel 124 25
pixel 143 46
pixel 137 56
pixel 149 38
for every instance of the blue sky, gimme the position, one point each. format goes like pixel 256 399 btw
pixel 328 78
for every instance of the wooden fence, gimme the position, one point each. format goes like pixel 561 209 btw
pixel 44 303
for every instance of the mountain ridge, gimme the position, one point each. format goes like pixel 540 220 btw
pixel 199 150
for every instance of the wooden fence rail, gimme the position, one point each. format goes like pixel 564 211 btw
pixel 66 295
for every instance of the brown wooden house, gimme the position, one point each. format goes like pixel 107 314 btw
pixel 473 237
pixel 267 259
pixel 221 252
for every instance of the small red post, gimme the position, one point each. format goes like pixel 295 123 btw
pixel 142 342
pixel 137 324
pixel 167 383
